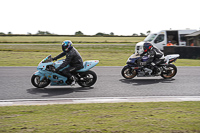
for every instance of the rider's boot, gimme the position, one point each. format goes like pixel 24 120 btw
pixel 73 79
pixel 157 71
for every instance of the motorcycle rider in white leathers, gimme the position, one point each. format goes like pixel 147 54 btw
pixel 155 56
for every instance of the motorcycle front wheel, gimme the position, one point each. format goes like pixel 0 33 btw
pixel 87 79
pixel 128 73
pixel 169 72
pixel 35 80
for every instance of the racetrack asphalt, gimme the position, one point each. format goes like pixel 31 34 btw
pixel 16 88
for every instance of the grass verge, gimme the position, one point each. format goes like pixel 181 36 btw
pixel 60 39
pixel 109 55
pixel 171 117
pixel 31 55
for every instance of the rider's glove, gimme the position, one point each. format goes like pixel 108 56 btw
pixel 55 70
pixel 143 63
pixel 54 59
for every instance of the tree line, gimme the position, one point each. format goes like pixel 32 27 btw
pixel 78 33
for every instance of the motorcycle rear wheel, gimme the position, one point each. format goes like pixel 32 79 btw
pixel 170 72
pixel 128 73
pixel 35 80
pixel 87 79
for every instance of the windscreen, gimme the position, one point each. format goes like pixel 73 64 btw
pixel 150 37
pixel 47 59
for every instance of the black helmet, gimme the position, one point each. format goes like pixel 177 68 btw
pixel 147 46
pixel 66 45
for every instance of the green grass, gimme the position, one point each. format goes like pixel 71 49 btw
pixel 31 55
pixel 187 62
pixel 60 39
pixel 169 117
pixel 109 55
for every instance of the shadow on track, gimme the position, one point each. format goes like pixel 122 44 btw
pixel 49 92
pixel 146 81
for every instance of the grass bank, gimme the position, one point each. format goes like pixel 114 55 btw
pixel 169 117
pixel 60 39
pixel 31 55
pixel 109 55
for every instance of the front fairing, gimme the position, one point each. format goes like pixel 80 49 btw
pixel 145 58
pixel 133 58
pixel 42 66
pixel 55 78
pixel 44 72
pixel 45 62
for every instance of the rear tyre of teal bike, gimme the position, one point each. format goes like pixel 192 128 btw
pixel 87 79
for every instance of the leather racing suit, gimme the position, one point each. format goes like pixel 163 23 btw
pixel 155 57
pixel 73 58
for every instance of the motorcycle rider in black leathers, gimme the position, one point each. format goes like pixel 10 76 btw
pixel 73 58
pixel 155 56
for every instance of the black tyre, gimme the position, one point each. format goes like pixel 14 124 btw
pixel 87 79
pixel 128 73
pixel 170 71
pixel 35 80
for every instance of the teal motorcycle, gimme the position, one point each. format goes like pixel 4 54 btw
pixel 46 74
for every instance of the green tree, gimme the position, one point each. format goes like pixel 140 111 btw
pixel 142 34
pixel 148 32
pixel 134 34
pixel 43 33
pixel 79 33
pixel 100 34
pixel 9 33
pixel 1 33
pixel 111 33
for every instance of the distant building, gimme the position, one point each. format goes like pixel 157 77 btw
pixel 193 39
